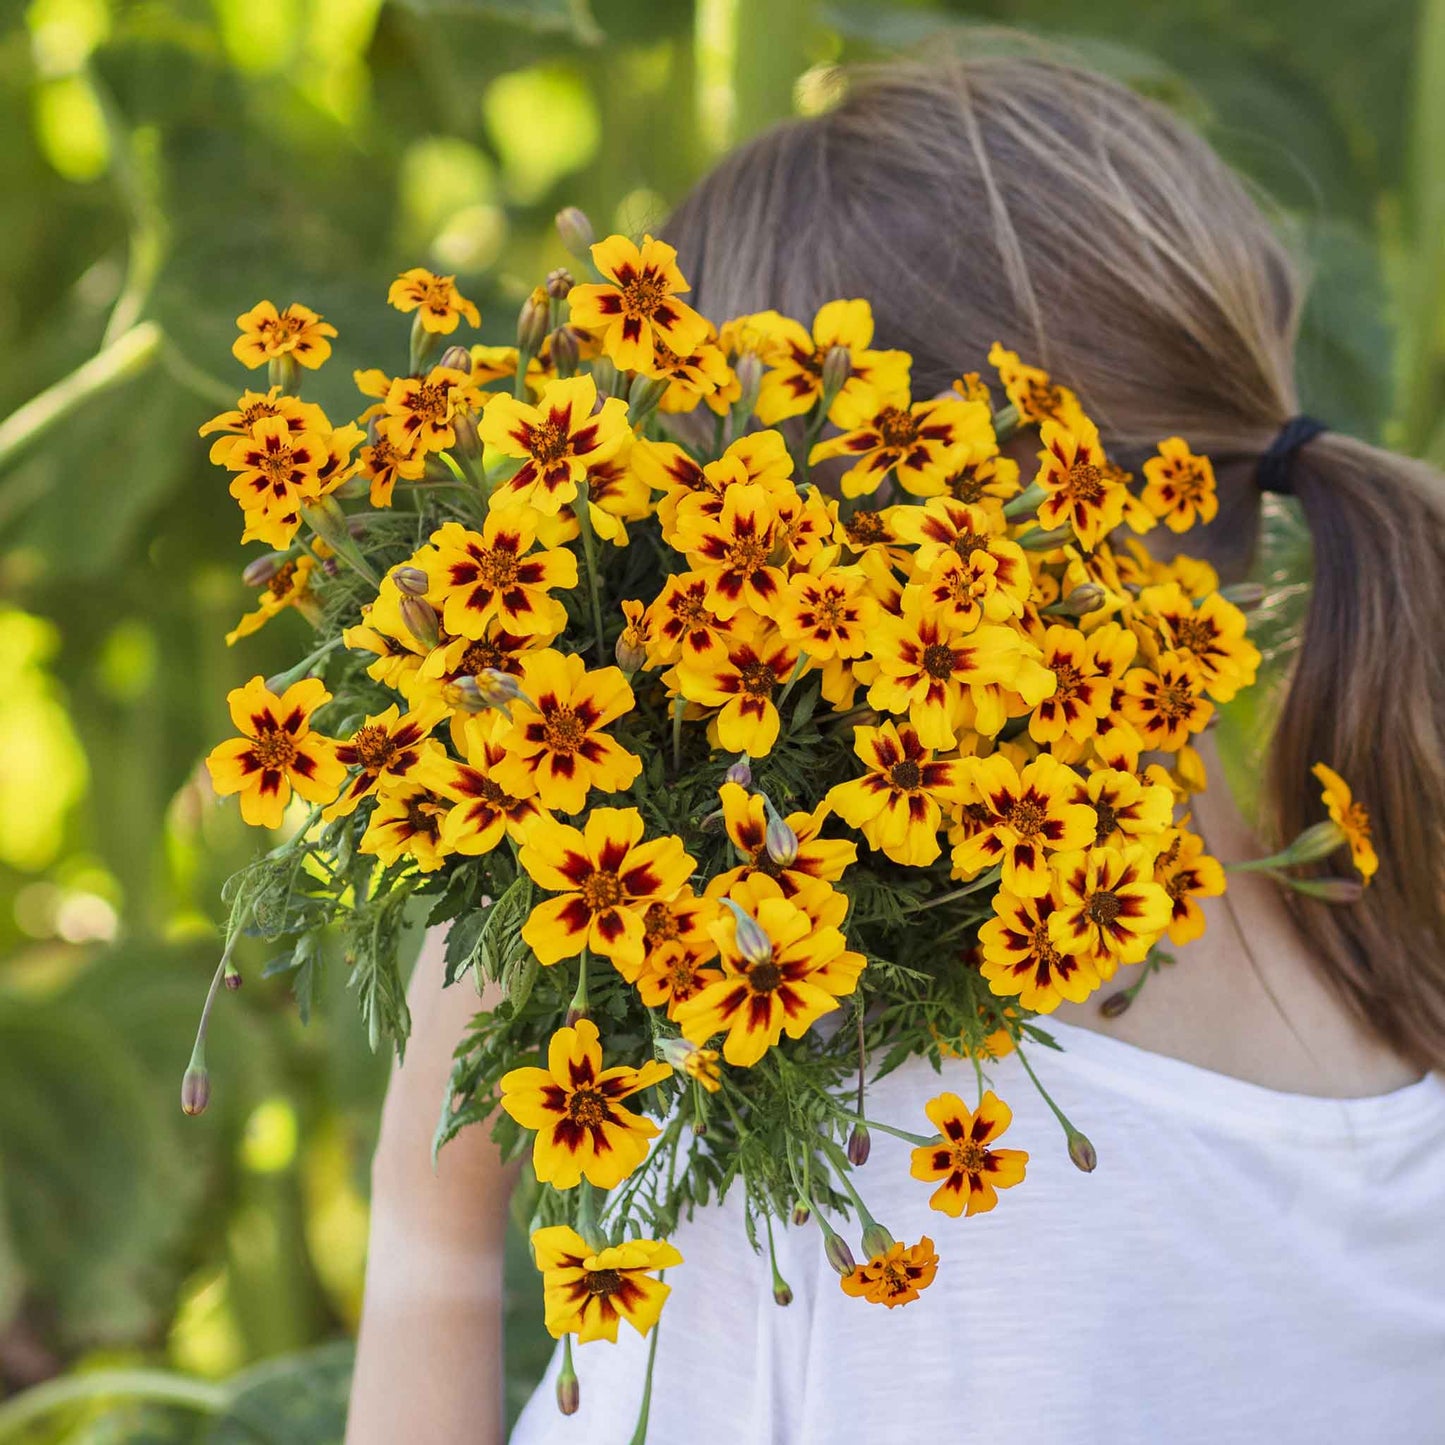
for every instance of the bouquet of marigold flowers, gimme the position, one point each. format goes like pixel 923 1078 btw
pixel 691 754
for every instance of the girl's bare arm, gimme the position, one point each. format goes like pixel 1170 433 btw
pixel 429 1358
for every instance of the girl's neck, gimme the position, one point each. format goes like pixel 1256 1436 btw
pixel 1247 999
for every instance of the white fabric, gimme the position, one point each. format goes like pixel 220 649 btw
pixel 1243 1265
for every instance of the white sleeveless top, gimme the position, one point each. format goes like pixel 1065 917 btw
pixel 1243 1265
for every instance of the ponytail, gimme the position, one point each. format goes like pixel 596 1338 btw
pixel 1367 697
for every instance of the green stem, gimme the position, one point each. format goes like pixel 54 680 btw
pixel 797 672
pixel 679 706
pixel 1058 1113
pixel 839 1161
pixel 160 1386
pixel 639 1435
pixel 916 1139
pixel 984 880
pixel 583 508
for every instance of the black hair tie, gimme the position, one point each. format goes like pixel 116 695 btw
pixel 1273 471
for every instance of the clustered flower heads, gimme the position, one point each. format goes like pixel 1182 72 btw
pixel 712 686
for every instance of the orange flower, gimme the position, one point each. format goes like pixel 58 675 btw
pixel 1179 486
pixel 441 304
pixel 970 1170
pixel 745 815
pixel 895 1276
pixel 1080 488
pixel 297 331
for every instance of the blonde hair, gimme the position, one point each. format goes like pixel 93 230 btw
pixel 1024 199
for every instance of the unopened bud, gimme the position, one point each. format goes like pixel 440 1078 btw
pixel 532 325
pixel 748 369
pixel 877 1240
pixel 1245 595
pixel 1338 891
pixel 456 358
pixel 559 283
pixel 421 620
pixel 231 976
pixel 1316 842
pixel 1085 598
pixel 751 937
pixel 860 1145
pixel 782 1293
pixel 1082 1152
pixel 740 773
pixel 605 377
pixel 1116 1004
pixel 839 1255
pixel 195 1089
pixel 801 1215
pixel 410 581
pixel 464 695
pixel 569 1393
pixel 564 351
pixel 779 839
pixel 259 572
pixel 837 368
pixel 468 443
pixel 644 394
pixel 1038 540
pixel 576 232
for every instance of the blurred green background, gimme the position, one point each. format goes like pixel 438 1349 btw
pixel 165 165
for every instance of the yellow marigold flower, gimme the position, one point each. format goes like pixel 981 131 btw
pixel 742 683
pixel 407 822
pixel 745 816
pixel 1351 818
pixel 277 470
pixel 1211 633
pixel 575 1105
pixel 677 942
pixel 276 752
pixel 828 617
pixel 1021 960
pixel 606 877
pixel 640 306
pixel 384 464
pixel 254 406
pixel 398 655
pixel 972 387
pixel 970 1170
pixel 683 624
pixel 806 969
pixel 499 363
pixel 869 534
pixel 455 658
pixel 297 331
pixel 442 305
pixel 387 750
pixel 1127 809
pixel 1086 671
pixel 483 812
pixel 1165 704
pixel 616 495
pixel 918 443
pixel 290 587
pixel 1025 815
pixel 1186 872
pixel 795 358
pixel 933 672
pixel 733 551
pixel 560 440
pixel 421 411
pixel 1108 908
pixel 897 803
pixel 585 1292
pixel 555 744
pixel 1080 489
pixel 895 1276
pixel 493 578
pixel 983 477
pixel 702 375
pixel 759 458
pixel 1030 390
pixel 1179 486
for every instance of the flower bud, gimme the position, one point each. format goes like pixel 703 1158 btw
pixel 195 1089
pixel 1338 891
pixel 576 232
pixel 1116 1005
pixel 801 1215
pixel 779 839
pixel 604 375
pixel 1038 540
pixel 837 368
pixel 643 396
pixel 629 652
pixel 421 620
pixel 1082 1152
pixel 1316 842
pixel 569 1392
pixel 262 569
pixel 839 1255
pixel 860 1145
pixel 464 695
pixel 751 937
pixel 231 976
pixel 532 324
pixel 410 581
pixel 782 1293
pixel 468 443
pixel 456 358
pixel 1085 598
pixel 559 283
pixel 877 1240
pixel 740 773
pixel 565 351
